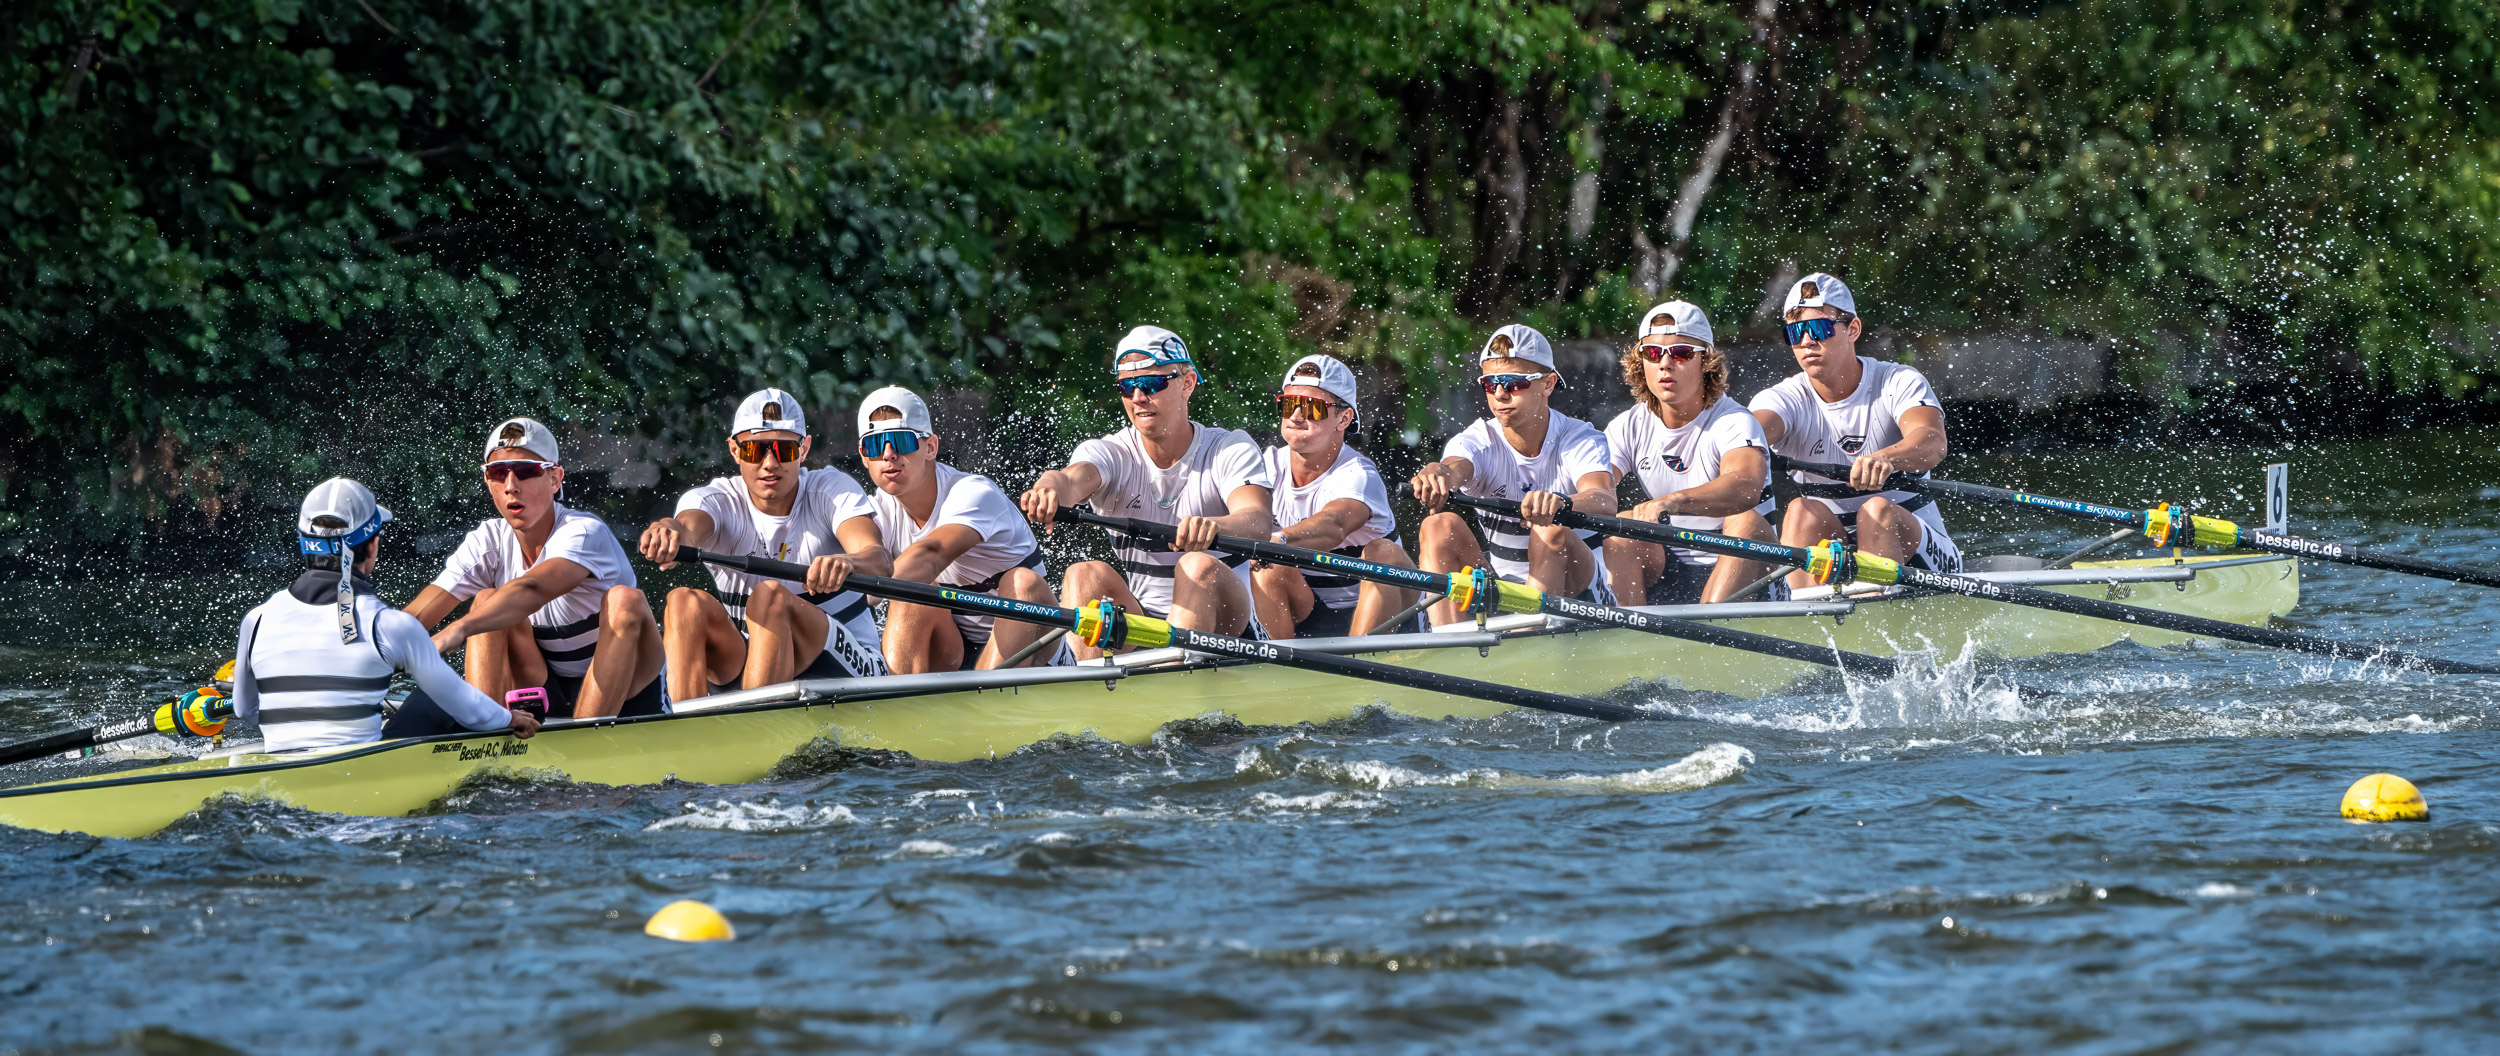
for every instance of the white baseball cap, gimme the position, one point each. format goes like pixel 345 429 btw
pixel 1326 374
pixel 769 409
pixel 1677 319
pixel 915 411
pixel 350 504
pixel 1520 341
pixel 1818 290
pixel 524 434
pixel 1158 345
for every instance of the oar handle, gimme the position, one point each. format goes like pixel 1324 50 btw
pixel 1897 481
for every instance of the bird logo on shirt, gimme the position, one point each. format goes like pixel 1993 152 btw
pixel 1673 460
pixel 1853 444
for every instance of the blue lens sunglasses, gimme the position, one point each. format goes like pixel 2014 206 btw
pixel 889 443
pixel 1146 384
pixel 1804 330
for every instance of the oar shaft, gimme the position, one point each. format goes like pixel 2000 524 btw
pixel 1139 630
pixel 1848 565
pixel 1551 604
pixel 2211 532
pixel 160 721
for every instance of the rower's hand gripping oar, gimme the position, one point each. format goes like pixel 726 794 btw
pixel 1104 625
pixel 201 712
pixel 2166 525
pixel 1477 591
pixel 1831 562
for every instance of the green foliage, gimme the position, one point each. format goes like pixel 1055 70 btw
pixel 251 244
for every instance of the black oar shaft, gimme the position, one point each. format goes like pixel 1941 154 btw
pixel 74 740
pixel 977 603
pixel 1890 572
pixel 1551 604
pixel 2204 531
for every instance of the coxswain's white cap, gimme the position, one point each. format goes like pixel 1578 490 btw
pixel 1158 345
pixel 1677 319
pixel 915 411
pixel 1520 341
pixel 348 503
pixel 526 435
pixel 1325 373
pixel 769 409
pixel 1818 290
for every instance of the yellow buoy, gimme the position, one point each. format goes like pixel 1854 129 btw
pixel 2385 797
pixel 687 920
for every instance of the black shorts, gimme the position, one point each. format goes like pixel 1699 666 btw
pixel 1680 583
pixel 419 716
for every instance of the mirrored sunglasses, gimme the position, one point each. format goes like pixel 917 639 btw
pixel 1508 383
pixel 1307 408
pixel 516 469
pixel 1804 330
pixel 1146 384
pixel 1677 352
pixel 889 443
pixel 752 451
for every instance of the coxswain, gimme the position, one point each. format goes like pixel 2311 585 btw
pixel 1529 452
pixel 313 663
pixel 552 596
pixel 1204 480
pixel 1327 496
pixel 950 528
pixel 1702 460
pixel 1880 417
pixel 752 631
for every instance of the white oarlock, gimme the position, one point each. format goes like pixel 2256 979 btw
pixel 2279 498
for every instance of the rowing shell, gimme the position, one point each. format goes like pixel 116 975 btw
pixel 952 717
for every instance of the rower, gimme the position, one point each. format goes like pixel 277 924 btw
pixel 1530 452
pixel 755 632
pixel 1701 458
pixel 552 596
pixel 1328 496
pixel 1204 480
pixel 1882 417
pixel 946 527
pixel 313 662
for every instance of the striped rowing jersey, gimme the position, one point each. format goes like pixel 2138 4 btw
pixel 305 688
pixel 1572 449
pixel 567 628
pixel 826 499
pixel 1218 462
pixel 1351 476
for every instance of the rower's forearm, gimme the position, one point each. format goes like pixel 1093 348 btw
pixel 1918 454
pixel 1593 500
pixel 920 564
pixel 1246 524
pixel 875 561
pixel 509 607
pixel 1724 497
pixel 1318 532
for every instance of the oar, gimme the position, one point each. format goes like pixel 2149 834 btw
pixel 1106 626
pixel 2172 525
pixel 1834 563
pixel 200 713
pixel 1479 591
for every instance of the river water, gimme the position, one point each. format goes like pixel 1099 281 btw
pixel 2152 863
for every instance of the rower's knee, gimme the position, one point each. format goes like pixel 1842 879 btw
pixel 769 600
pixel 685 604
pixel 1443 537
pixel 625 609
pixel 1202 570
pixel 1088 580
pixel 1552 536
pixel 1024 584
pixel 1747 525
pixel 1385 552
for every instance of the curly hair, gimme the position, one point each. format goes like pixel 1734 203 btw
pixel 1713 376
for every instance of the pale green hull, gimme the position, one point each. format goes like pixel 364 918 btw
pixel 740 745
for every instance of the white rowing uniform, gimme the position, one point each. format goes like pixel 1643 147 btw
pixel 1868 419
pixel 567 627
pixel 826 500
pixel 306 689
pixel 1670 460
pixel 1572 449
pixel 1218 462
pixel 1351 476
pixel 973 501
